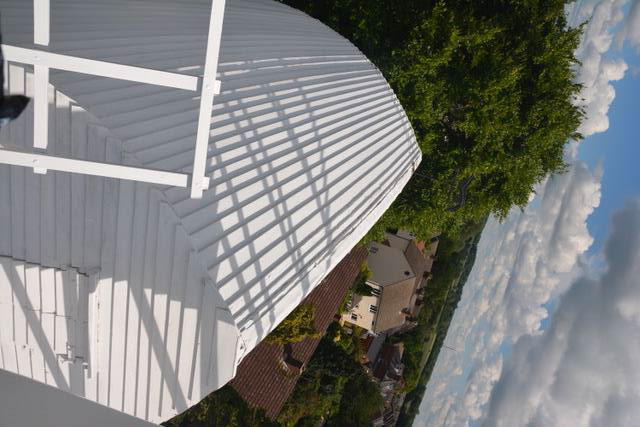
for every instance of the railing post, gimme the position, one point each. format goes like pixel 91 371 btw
pixel 210 88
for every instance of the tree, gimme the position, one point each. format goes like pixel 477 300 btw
pixel 328 387
pixel 296 327
pixel 360 285
pixel 488 86
pixel 222 408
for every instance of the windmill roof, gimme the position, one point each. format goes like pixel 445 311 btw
pixel 308 147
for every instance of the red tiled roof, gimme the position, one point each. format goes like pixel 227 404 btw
pixel 261 379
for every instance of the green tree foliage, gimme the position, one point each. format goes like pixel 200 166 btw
pixel 333 387
pixel 223 408
pixel 296 327
pixel 456 264
pixel 488 88
pixel 360 284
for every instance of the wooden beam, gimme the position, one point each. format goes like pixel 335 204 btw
pixel 210 87
pixel 18 157
pixel 100 68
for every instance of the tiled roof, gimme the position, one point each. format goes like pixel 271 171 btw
pixel 393 300
pixel 261 379
pixel 418 262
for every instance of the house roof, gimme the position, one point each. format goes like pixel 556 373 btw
pixel 390 353
pixel 393 299
pixel 308 147
pixel 396 241
pixel 418 262
pixel 260 379
pixel 388 265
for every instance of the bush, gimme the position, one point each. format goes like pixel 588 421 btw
pixel 296 327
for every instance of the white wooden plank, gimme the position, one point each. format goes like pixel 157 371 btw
pixel 93 200
pixel 47 220
pixel 146 309
pixel 210 86
pixel 5 209
pixel 32 195
pixel 41 107
pixel 37 365
pixel 18 234
pixel 77 384
pixel 63 215
pixel 6 291
pixel 207 333
pixel 225 341
pixel 41 22
pixel 172 396
pixel 66 293
pixel 82 316
pixel 48 323
pixel 92 373
pixel 32 276
pixel 79 119
pixel 100 68
pixel 135 290
pixel 164 251
pixel 119 201
pixel 19 298
pixel 48 284
pixel 188 345
pixel 100 169
pixel 23 360
pixel 17 135
pixel 32 217
pixel 65 332
pixel 9 356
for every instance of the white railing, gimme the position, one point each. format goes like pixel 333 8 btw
pixel 43 61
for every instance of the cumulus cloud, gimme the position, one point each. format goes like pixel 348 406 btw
pixel 596 71
pixel 631 30
pixel 527 262
pixel 583 371
pixel 522 265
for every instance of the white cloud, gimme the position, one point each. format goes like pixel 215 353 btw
pixel 527 262
pixel 631 29
pixel 596 72
pixel 583 371
pixel 522 265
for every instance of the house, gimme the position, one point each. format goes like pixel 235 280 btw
pixel 400 267
pixel 267 376
pixel 371 346
pixel 388 370
pixel 138 295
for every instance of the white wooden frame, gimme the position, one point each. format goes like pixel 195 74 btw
pixel 43 61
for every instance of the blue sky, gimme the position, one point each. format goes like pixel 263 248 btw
pixel 618 149
pixel 554 272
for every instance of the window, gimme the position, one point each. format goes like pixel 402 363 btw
pixel 373 308
pixel 375 291
pixel 354 317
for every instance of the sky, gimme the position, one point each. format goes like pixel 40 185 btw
pixel 547 332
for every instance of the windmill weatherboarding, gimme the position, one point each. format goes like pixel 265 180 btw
pixel 166 233
pixel 43 61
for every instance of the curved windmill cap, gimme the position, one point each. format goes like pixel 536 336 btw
pixel 146 299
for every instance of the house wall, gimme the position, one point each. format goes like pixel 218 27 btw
pixel 360 308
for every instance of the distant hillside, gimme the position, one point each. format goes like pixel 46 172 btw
pixel 455 269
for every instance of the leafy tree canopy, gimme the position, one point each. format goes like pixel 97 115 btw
pixel 360 286
pixel 296 327
pixel 488 88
